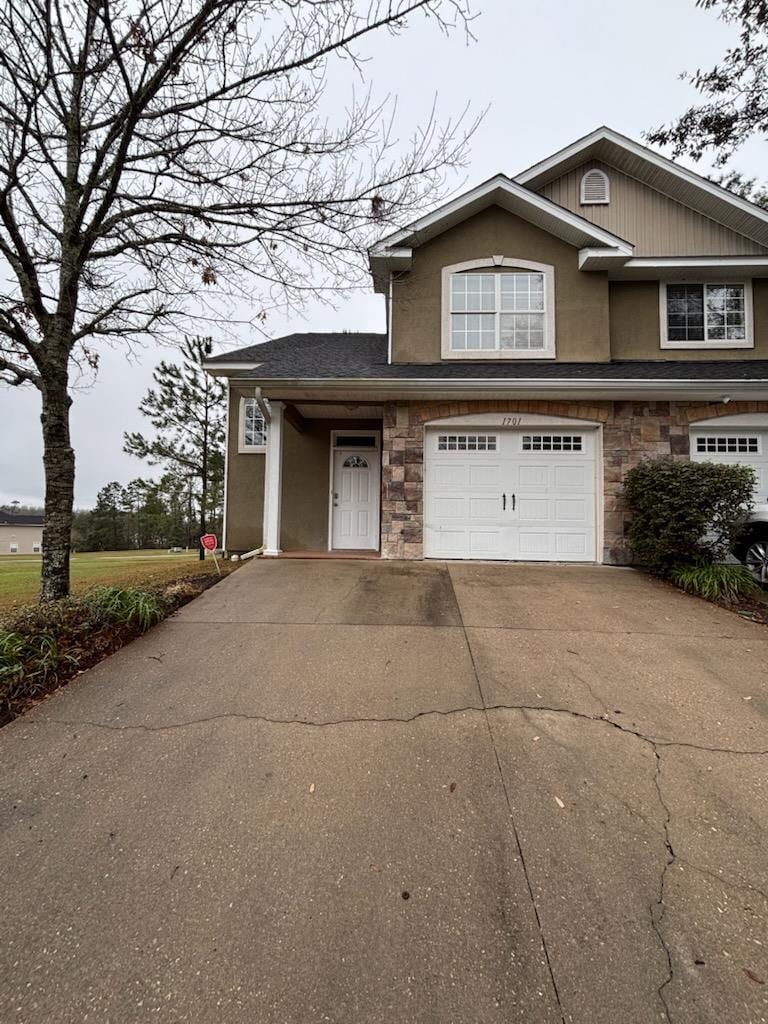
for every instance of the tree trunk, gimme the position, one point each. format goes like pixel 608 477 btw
pixel 59 465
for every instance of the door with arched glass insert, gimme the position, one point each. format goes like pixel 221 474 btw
pixel 355 495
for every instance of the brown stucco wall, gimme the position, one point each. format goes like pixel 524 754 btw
pixel 245 486
pixel 632 431
pixel 581 299
pixel 306 481
pixel 635 329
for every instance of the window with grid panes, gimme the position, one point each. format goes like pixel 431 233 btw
pixel 498 312
pixel 706 314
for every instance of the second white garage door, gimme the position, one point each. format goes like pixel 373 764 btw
pixel 510 494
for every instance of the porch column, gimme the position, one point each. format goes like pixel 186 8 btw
pixel 273 479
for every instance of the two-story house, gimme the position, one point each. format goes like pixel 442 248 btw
pixel 544 334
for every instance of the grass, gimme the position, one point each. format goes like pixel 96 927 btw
pixel 20 574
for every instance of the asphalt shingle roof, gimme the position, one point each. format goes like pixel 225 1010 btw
pixel 20 519
pixel 364 356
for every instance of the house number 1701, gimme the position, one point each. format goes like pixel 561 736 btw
pixel 511 421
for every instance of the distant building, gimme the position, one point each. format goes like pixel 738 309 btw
pixel 20 533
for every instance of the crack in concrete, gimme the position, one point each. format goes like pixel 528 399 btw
pixel 658 907
pixel 727 883
pixel 660 741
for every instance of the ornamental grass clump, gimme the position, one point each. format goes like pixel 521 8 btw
pixel 719 582
pixel 125 606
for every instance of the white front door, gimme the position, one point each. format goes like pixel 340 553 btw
pixel 510 494
pixel 355 500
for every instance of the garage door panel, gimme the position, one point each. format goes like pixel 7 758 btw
pixel 571 510
pixel 514 502
pixel 484 507
pixel 450 506
pixel 579 477
pixel 534 509
pixel 568 545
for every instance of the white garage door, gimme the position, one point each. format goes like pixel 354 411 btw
pixel 510 494
pixel 737 445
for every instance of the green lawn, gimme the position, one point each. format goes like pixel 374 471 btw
pixel 20 574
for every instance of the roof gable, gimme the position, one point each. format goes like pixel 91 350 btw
pixel 395 251
pixel 657 225
pixel 660 173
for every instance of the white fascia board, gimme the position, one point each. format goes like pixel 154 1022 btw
pixel 224 369
pixel 643 153
pixel 513 188
pixel 696 262
pixel 600 259
pixel 469 386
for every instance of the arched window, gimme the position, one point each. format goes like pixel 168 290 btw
pixel 595 188
pixel 355 462
pixel 498 308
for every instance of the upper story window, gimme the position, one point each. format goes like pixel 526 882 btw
pixel 498 309
pixel 706 315
pixel 595 188
pixel 253 429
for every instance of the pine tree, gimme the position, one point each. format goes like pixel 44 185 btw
pixel 187 410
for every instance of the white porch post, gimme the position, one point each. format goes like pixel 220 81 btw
pixel 273 479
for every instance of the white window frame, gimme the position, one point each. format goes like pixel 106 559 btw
pixel 494 263
pixel 13 547
pixel 583 191
pixel 36 547
pixel 747 342
pixel 242 447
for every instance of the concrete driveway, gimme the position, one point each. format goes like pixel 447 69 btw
pixel 363 792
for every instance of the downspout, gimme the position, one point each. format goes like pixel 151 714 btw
pixel 226 472
pixel 262 404
pixel 389 320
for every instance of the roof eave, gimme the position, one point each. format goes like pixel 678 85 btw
pixel 683 389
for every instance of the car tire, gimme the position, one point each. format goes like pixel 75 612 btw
pixel 752 551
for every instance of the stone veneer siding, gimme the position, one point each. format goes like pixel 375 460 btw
pixel 631 431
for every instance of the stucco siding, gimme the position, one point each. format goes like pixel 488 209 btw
pixel 635 328
pixel 654 223
pixel 25 537
pixel 581 299
pixel 245 487
pixel 307 481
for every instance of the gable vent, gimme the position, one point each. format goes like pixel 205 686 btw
pixel 595 188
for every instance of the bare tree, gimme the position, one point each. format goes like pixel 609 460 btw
pixel 162 160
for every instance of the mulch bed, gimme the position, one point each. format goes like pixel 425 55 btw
pixel 79 642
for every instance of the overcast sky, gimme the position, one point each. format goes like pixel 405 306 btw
pixel 550 72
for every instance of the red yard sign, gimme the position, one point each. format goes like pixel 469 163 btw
pixel 209 543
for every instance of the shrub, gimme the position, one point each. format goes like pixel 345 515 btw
pixel 685 513
pixel 718 582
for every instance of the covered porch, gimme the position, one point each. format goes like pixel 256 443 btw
pixel 322 479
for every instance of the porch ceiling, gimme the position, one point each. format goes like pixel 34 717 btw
pixel 346 411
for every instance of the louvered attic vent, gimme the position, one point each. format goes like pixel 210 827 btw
pixel 595 188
